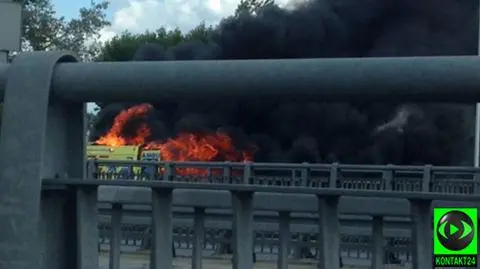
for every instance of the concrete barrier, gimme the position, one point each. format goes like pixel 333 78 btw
pixel 268 201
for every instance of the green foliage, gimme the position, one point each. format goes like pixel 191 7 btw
pixel 43 30
pixel 123 46
pixel 252 6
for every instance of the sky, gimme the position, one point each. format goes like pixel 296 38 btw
pixel 140 15
pixel 137 16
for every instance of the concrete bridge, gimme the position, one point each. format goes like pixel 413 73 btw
pixel 357 214
pixel 49 202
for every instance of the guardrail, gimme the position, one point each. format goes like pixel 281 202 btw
pixel 245 179
pixel 137 198
pixel 355 248
pixel 391 178
pixel 42 135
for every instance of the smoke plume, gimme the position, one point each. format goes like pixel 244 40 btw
pixel 351 132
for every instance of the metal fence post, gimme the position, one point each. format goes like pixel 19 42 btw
pixel 476 181
pixel 285 238
pixel 427 178
pixel 329 233
pixel 161 256
pixel 378 241
pixel 41 136
pixel 198 237
pixel 304 175
pixel 247 173
pixel 421 233
pixel 115 236
pixel 91 169
pixel 242 203
pixel 388 176
pixel 227 173
pixel 168 173
pixel 334 175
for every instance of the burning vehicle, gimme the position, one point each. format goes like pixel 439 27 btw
pixel 118 145
pixel 312 131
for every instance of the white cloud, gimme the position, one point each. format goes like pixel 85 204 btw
pixel 139 15
pixel 91 107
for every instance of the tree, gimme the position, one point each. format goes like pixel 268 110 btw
pixel 122 47
pixel 42 29
pixel 252 6
pixel 90 121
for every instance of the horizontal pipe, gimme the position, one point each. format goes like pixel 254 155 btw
pixel 429 79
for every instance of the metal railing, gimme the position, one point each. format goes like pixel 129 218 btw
pixel 43 135
pixel 356 235
pixel 355 249
pixel 462 181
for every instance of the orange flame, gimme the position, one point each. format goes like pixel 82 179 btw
pixel 184 147
pixel 114 136
pixel 194 147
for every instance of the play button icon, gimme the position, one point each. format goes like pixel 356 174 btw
pixel 455 230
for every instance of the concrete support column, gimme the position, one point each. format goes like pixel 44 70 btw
pixel 285 237
pixel 161 253
pixel 115 236
pixel 328 233
pixel 378 241
pixel 421 233
pixel 242 203
pixel 41 137
pixel 52 229
pixel 198 237
pixel 10 28
pixel 87 228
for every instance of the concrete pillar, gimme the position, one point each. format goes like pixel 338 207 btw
pixel 421 233
pixel 198 237
pixel 242 203
pixel 285 237
pixel 10 28
pixel 41 137
pixel 115 236
pixel 87 227
pixel 388 177
pixel 328 233
pixel 52 229
pixel 378 242
pixel 161 253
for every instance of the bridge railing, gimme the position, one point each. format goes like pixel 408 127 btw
pixel 42 145
pixel 432 179
pixel 356 243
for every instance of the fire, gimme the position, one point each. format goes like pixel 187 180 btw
pixel 195 147
pixel 114 136
pixel 184 147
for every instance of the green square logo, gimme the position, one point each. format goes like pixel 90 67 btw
pixel 455 231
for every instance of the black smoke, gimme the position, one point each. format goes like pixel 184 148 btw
pixel 350 132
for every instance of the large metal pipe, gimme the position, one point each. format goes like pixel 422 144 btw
pixel 430 79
